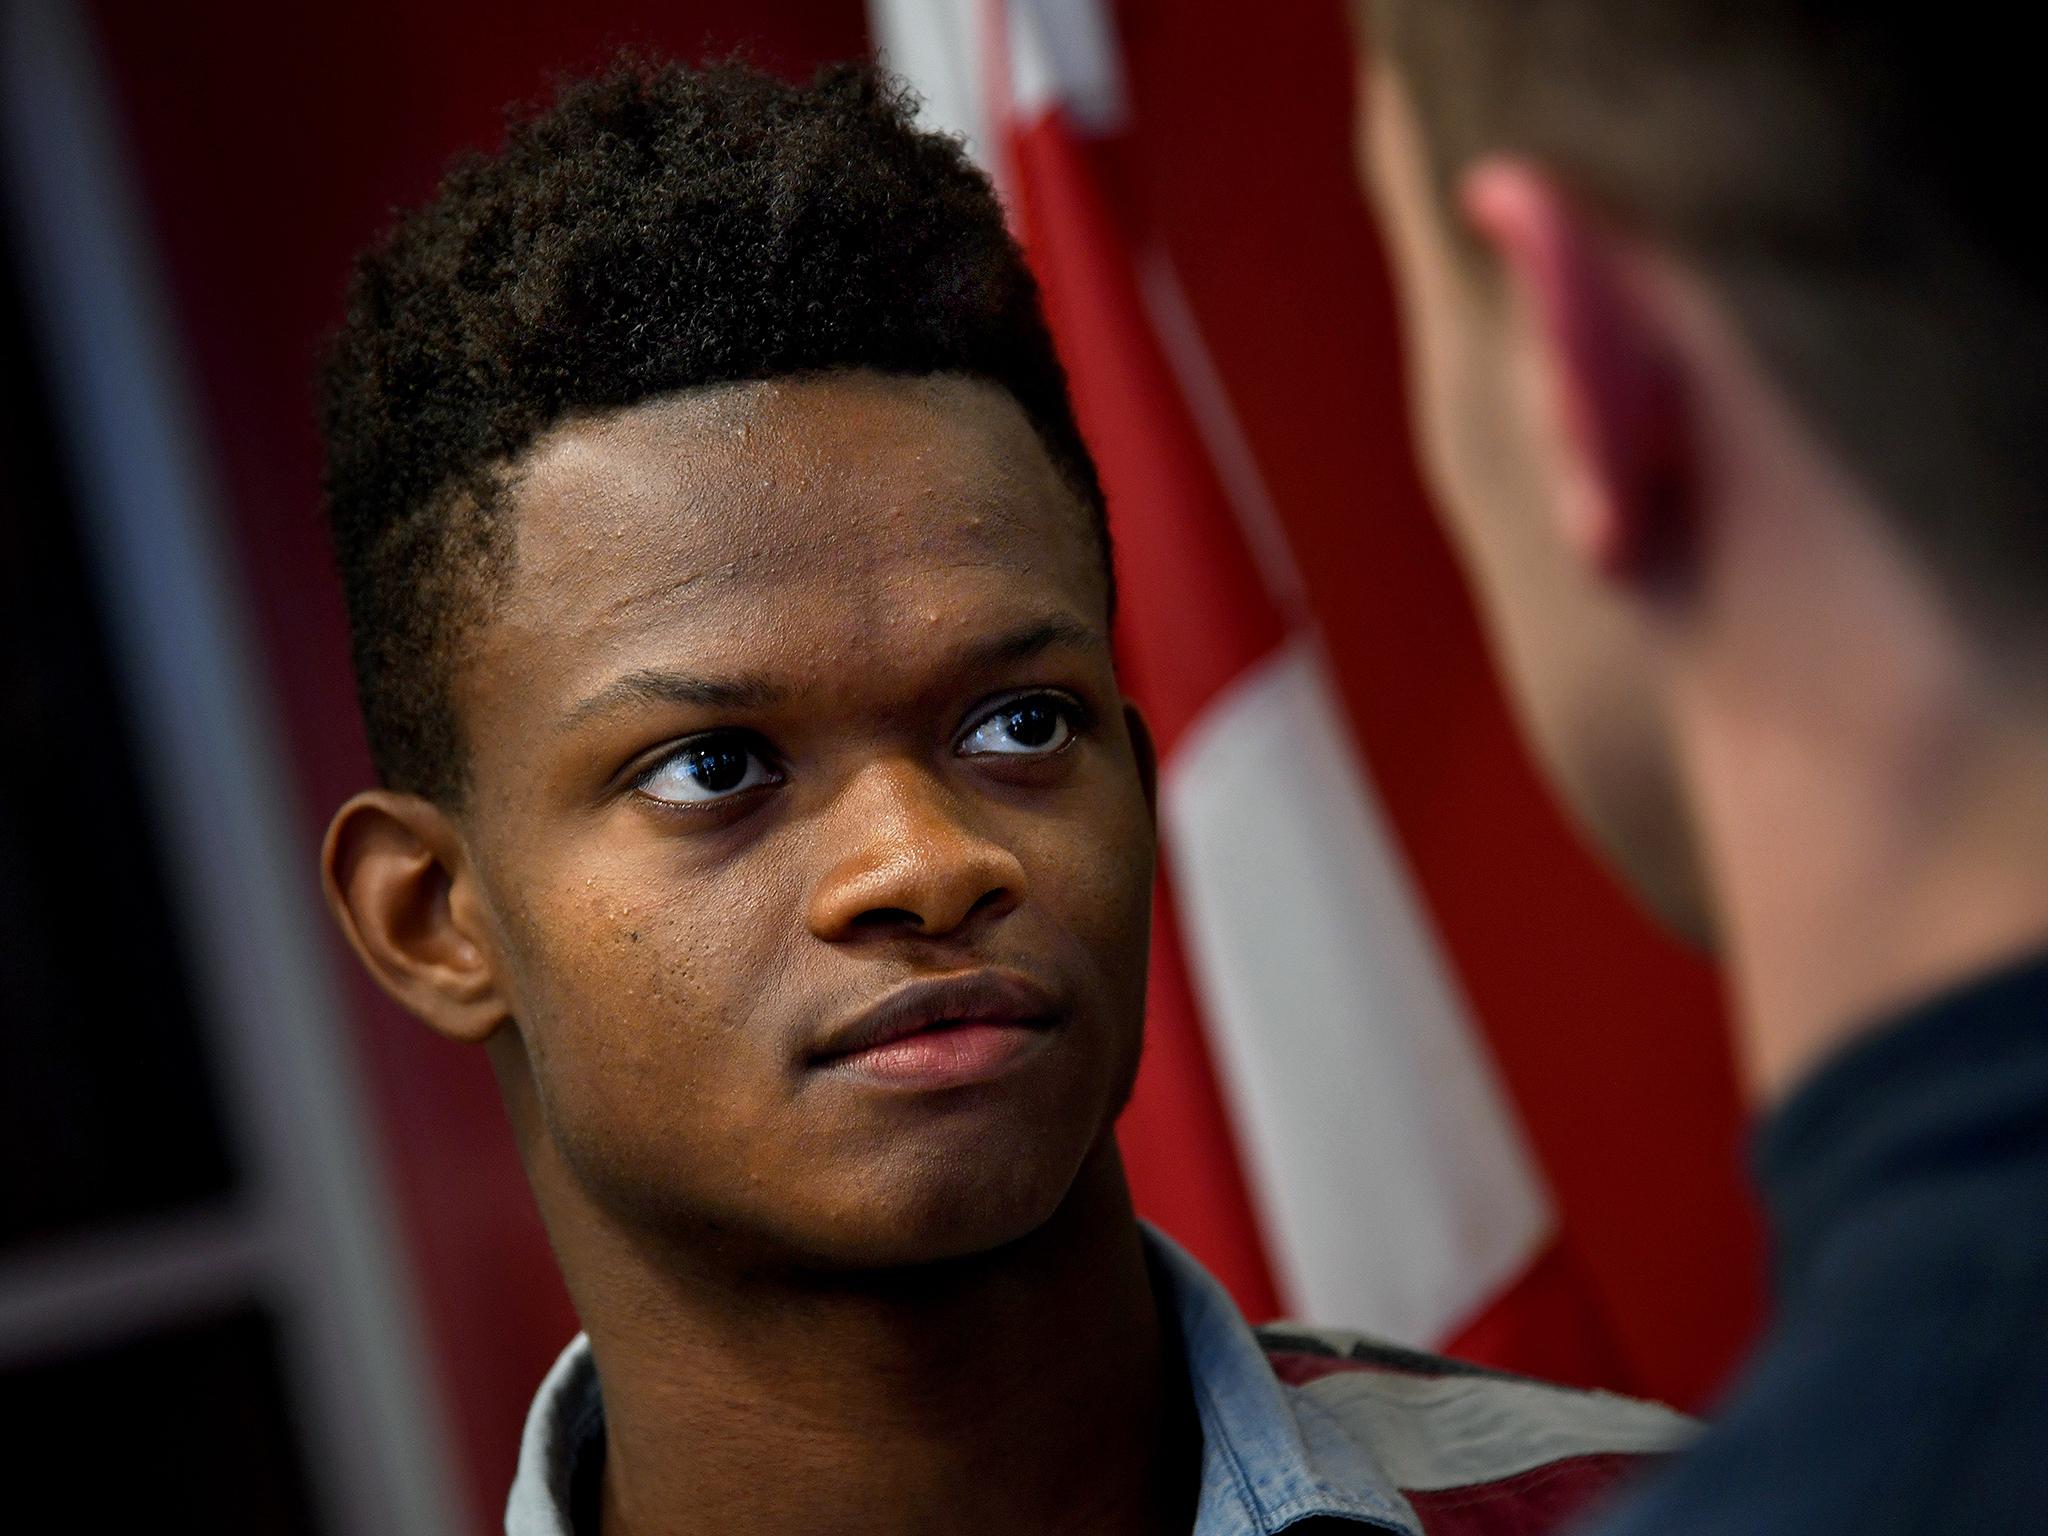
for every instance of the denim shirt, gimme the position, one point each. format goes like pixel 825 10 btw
pixel 1297 1424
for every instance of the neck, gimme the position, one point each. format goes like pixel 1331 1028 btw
pixel 1031 1389
pixel 1871 798
pixel 1839 915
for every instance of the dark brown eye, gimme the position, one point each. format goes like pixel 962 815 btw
pixel 1037 724
pixel 710 768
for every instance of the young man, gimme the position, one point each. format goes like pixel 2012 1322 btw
pixel 731 597
pixel 1730 357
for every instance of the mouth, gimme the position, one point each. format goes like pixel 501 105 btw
pixel 942 1034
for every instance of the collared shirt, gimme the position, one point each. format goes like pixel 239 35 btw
pixel 1298 1425
pixel 1902 1389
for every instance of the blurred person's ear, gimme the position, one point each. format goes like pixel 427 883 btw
pixel 1621 499
pixel 398 883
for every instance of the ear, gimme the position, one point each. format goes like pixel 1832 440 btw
pixel 1623 507
pixel 399 885
pixel 1147 754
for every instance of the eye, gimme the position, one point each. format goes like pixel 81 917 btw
pixel 1035 725
pixel 709 769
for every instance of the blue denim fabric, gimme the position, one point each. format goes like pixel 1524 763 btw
pixel 1270 1457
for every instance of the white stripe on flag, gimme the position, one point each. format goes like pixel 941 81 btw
pixel 1063 53
pixel 1391 1177
pixel 1060 53
pixel 938 46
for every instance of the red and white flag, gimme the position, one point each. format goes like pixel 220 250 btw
pixel 1319 1117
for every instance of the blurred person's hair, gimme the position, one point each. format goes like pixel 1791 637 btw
pixel 655 229
pixel 1852 179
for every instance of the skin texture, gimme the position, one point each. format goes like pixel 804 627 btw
pixel 819 1300
pixel 1767 711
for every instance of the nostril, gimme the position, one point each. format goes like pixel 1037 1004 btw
pixel 887 917
pixel 995 900
pixel 989 900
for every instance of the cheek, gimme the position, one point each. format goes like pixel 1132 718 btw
pixel 1095 874
pixel 634 997
pixel 1494 489
pixel 1467 436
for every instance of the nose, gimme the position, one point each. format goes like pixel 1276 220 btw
pixel 903 860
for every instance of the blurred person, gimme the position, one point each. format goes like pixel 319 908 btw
pixel 1729 352
pixel 731 594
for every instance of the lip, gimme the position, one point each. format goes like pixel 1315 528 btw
pixel 942 1033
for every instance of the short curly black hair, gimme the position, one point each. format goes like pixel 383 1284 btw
pixel 656 228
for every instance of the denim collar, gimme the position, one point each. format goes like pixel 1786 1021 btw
pixel 1271 1456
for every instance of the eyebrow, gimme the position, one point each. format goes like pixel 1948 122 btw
pixel 654 686
pixel 1030 639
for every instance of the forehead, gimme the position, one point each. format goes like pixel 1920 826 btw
pixel 778 510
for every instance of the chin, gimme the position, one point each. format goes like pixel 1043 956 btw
pixel 1611 763
pixel 1670 891
pixel 941 1208
pixel 877 1183
pixel 936 1178
pixel 1638 823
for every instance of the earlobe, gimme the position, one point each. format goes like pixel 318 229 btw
pixel 395 881
pixel 1621 506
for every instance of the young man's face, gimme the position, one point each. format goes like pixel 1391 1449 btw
pixel 798 700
